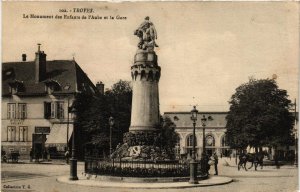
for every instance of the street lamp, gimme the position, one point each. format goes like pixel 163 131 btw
pixel 193 163
pixel 73 160
pixel 111 124
pixel 203 121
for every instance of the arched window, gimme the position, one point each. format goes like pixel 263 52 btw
pixel 150 76
pixel 189 141
pixel 143 75
pixel 135 74
pixel 210 140
pixel 224 141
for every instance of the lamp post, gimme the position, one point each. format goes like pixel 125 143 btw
pixel 111 124
pixel 193 163
pixel 203 121
pixel 68 123
pixel 73 160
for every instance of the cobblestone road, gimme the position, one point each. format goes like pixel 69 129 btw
pixel 42 178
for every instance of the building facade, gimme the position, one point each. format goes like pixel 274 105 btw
pixel 215 140
pixel 36 98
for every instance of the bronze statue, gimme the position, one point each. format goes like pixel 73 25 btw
pixel 147 35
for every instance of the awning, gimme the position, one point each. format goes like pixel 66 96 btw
pixel 58 134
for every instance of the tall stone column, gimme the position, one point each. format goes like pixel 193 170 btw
pixel 145 74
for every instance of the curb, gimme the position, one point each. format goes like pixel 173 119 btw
pixel 212 181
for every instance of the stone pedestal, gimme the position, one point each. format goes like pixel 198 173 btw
pixel 145 74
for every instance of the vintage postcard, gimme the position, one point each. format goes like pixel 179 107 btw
pixel 149 96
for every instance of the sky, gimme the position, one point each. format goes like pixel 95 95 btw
pixel 206 49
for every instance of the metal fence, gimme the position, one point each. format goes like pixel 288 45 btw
pixel 136 168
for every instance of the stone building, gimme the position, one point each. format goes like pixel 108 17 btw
pixel 214 135
pixel 214 132
pixel 35 100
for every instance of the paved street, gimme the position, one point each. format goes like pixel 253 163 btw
pixel 42 178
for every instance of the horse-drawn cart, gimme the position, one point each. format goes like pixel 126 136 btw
pixel 14 156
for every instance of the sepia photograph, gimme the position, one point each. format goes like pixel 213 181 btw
pixel 150 96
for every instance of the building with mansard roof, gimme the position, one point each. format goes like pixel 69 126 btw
pixel 35 100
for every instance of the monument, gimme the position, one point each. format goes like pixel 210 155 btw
pixel 142 140
pixel 145 74
pixel 144 152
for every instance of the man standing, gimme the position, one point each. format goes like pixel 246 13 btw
pixel 67 156
pixel 31 154
pixel 216 163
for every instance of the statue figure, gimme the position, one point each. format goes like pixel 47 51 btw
pixel 147 35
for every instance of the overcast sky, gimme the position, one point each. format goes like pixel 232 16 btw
pixel 206 49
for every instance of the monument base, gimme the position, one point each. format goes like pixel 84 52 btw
pixel 145 145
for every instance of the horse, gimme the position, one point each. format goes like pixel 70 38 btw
pixel 243 158
pixel 255 159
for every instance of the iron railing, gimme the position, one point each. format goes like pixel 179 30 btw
pixel 136 168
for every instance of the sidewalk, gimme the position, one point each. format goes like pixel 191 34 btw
pixel 212 180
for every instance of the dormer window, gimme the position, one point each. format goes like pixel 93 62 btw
pixel 52 86
pixel 16 86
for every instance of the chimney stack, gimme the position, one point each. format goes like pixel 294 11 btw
pixel 40 65
pixel 100 87
pixel 24 57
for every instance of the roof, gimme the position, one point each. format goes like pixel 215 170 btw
pixel 183 119
pixel 67 73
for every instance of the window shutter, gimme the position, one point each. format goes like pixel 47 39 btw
pixel 47 110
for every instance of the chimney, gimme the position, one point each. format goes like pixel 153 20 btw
pixel 24 57
pixel 40 65
pixel 100 87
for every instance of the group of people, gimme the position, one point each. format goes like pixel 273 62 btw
pixel 207 162
pixel 37 155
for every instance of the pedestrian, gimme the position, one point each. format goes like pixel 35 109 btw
pixel 204 163
pixel 45 155
pixel 276 160
pixel 215 157
pixel 3 155
pixel 67 156
pixel 31 154
pixel 37 155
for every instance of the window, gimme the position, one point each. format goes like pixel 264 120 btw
pixel 11 110
pixel 60 110
pixel 190 141
pixel 11 133
pixel 54 110
pixel 14 112
pixel 23 133
pixel 210 140
pixel 22 113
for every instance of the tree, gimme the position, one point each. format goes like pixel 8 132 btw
pixel 259 115
pixel 169 138
pixel 119 100
pixel 94 111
